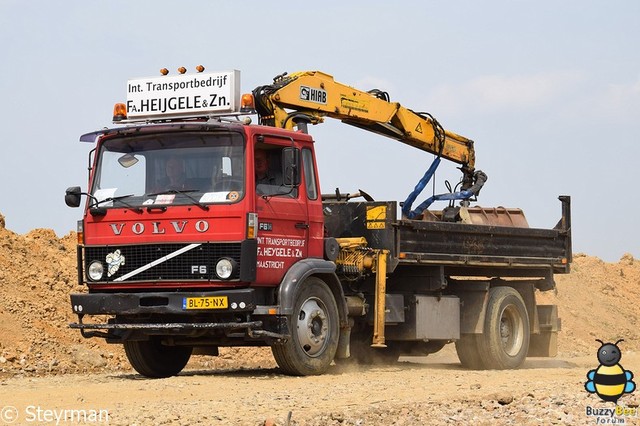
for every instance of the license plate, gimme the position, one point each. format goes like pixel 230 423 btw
pixel 210 302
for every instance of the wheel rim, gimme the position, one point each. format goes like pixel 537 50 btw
pixel 313 327
pixel 511 330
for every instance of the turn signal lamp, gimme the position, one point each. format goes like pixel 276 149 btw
pixel 119 112
pixel 80 232
pixel 252 225
pixel 247 103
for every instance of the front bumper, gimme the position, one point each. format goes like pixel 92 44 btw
pixel 139 315
pixel 239 301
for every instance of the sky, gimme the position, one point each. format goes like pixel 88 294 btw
pixel 548 90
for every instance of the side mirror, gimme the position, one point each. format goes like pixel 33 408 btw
pixel 72 196
pixel 291 166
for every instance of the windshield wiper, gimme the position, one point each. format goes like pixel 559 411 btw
pixel 97 210
pixel 184 192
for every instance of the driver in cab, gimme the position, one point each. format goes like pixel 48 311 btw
pixel 263 175
pixel 175 178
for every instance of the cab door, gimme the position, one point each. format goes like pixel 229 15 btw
pixel 283 222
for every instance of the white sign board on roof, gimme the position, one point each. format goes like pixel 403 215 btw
pixel 184 95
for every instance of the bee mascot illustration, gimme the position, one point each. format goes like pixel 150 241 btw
pixel 609 381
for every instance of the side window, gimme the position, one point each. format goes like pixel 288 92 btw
pixel 309 174
pixel 269 173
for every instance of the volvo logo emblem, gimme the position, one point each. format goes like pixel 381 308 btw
pixel 177 227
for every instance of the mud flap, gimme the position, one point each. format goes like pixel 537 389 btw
pixel 545 344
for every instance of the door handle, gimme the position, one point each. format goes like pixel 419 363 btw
pixel 302 225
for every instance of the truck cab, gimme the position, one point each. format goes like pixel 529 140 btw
pixel 198 184
pixel 179 225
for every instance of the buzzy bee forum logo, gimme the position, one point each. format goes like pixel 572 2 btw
pixel 610 381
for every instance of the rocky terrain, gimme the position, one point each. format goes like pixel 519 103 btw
pixel 39 355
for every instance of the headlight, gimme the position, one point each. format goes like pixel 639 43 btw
pixel 96 270
pixel 224 268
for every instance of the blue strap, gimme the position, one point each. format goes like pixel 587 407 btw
pixel 460 195
pixel 406 206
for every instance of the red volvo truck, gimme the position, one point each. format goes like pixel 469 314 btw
pixel 202 230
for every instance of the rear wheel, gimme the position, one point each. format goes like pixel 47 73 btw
pixel 153 359
pixel 504 342
pixel 314 331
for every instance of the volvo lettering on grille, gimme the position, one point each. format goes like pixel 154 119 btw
pixel 177 227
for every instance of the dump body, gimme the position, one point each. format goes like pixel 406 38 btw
pixel 462 249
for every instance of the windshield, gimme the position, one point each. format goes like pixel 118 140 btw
pixel 170 168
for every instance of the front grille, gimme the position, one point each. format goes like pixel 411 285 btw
pixel 163 262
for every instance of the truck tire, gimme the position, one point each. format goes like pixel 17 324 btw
pixel 314 331
pixel 467 349
pixel 153 359
pixel 505 341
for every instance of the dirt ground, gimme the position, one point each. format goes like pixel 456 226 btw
pixel 49 374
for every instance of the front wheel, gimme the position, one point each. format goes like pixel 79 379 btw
pixel 153 359
pixel 314 331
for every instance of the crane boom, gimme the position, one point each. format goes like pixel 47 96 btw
pixel 313 95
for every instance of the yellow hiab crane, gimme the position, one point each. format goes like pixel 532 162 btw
pixel 313 95
pixel 316 95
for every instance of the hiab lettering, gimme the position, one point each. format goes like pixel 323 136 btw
pixel 311 94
